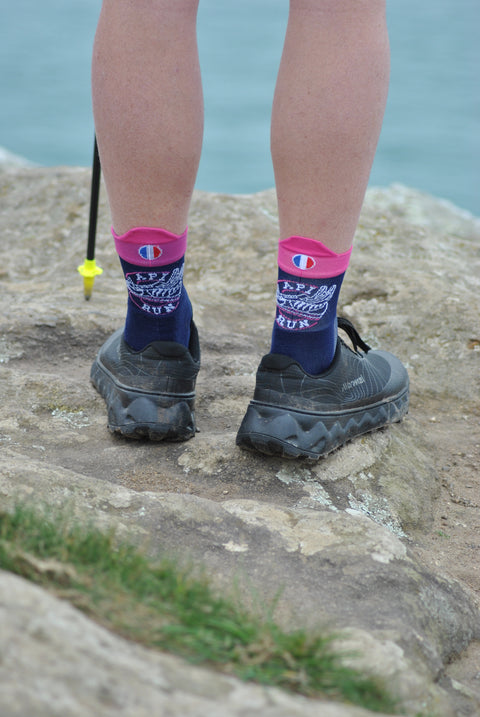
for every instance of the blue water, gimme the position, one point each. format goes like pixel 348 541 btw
pixel 431 134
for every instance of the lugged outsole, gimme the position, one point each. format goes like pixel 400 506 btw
pixel 137 414
pixel 288 433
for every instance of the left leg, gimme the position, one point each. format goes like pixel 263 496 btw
pixel 148 109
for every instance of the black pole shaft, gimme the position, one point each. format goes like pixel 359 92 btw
pixel 94 194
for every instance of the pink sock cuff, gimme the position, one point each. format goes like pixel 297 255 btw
pixel 147 246
pixel 305 257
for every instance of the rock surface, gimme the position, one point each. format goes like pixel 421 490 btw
pixel 355 541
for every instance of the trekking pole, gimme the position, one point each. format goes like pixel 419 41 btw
pixel 89 270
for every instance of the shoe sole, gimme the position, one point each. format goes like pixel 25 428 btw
pixel 289 433
pixel 137 414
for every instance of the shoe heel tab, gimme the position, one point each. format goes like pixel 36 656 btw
pixel 165 349
pixel 276 362
pixel 173 349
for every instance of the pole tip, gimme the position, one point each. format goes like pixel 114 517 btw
pixel 89 270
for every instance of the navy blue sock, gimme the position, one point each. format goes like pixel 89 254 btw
pixel 305 325
pixel 158 305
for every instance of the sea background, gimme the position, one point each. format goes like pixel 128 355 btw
pixel 431 133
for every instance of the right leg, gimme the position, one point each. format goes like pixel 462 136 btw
pixel 313 393
pixel 326 118
pixel 327 114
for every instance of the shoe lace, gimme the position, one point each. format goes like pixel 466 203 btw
pixel 353 335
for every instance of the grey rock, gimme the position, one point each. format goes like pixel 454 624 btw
pixel 334 537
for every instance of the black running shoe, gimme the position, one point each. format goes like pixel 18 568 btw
pixel 294 414
pixel 149 393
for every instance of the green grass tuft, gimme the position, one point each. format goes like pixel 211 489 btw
pixel 162 606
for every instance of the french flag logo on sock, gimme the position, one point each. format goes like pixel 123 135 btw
pixel 303 261
pixel 150 252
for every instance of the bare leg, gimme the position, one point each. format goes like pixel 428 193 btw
pixel 327 115
pixel 148 109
